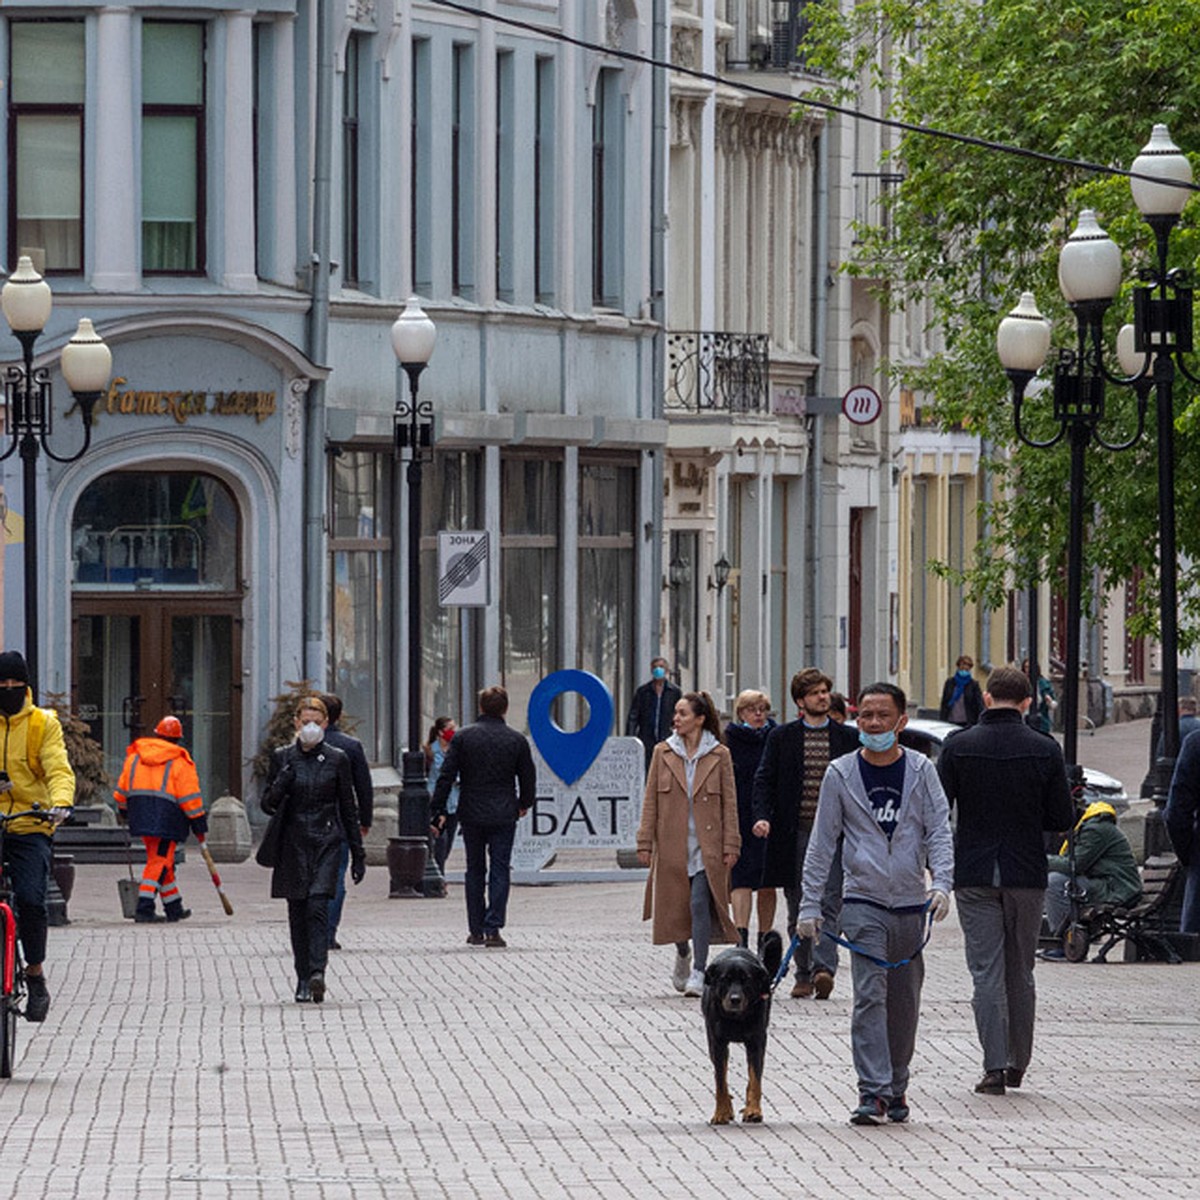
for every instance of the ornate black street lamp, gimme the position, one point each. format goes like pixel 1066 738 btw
pixel 413 339
pixel 28 406
pixel 1149 351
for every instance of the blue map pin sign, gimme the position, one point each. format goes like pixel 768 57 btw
pixel 570 754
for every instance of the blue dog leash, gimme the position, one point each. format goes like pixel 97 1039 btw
pixel 854 948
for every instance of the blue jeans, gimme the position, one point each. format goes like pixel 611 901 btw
pixel 27 857
pixel 339 894
pixel 489 857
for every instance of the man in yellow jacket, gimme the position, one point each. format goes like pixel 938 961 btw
pixel 160 793
pixel 34 773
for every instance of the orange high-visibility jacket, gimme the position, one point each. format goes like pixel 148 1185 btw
pixel 160 791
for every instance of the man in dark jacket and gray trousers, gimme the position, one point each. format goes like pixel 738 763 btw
pixel 1011 787
pixel 497 786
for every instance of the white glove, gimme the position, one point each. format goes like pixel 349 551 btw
pixel 809 928
pixel 939 904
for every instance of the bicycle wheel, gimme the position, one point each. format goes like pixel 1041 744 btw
pixel 10 991
pixel 8 1036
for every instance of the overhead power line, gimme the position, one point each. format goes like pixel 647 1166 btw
pixel 829 106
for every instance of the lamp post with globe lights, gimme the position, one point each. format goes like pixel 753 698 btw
pixel 86 364
pixel 413 338
pixel 1150 351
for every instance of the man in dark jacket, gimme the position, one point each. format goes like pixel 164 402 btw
pixel 653 708
pixel 497 786
pixel 786 787
pixel 364 797
pixel 1010 784
pixel 1182 819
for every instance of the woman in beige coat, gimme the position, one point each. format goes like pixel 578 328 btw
pixel 689 839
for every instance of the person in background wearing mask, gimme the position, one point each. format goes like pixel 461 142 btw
pixel 889 811
pixel 441 733
pixel 364 795
pixel 36 772
pixel 159 793
pixel 310 790
pixel 745 737
pixel 653 708
pixel 962 699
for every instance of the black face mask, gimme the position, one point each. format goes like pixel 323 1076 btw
pixel 12 699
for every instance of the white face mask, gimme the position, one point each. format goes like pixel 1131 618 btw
pixel 310 734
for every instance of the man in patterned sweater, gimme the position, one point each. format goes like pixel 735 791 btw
pixel 786 788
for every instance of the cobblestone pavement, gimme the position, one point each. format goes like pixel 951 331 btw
pixel 174 1064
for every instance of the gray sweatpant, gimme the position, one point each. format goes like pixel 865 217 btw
pixel 1000 933
pixel 883 1026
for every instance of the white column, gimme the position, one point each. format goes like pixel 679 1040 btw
pixel 237 204
pixel 114 228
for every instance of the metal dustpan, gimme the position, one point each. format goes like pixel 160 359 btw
pixel 127 889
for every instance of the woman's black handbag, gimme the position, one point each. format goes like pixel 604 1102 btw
pixel 267 854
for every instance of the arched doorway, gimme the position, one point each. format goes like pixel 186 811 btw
pixel 157 616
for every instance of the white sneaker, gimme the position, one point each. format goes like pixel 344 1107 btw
pixel 695 984
pixel 683 965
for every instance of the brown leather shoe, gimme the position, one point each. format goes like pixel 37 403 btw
pixel 493 940
pixel 1013 1077
pixel 822 983
pixel 992 1084
pixel 802 990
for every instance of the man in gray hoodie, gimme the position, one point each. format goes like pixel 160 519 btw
pixel 888 807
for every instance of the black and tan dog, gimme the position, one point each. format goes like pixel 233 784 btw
pixel 737 1008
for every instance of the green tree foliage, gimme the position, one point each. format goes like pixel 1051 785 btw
pixel 971 228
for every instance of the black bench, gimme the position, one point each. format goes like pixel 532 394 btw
pixel 1142 923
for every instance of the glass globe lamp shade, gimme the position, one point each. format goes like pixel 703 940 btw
pixel 1089 267
pixel 1023 339
pixel 1161 158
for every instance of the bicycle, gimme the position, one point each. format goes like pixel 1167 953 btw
pixel 12 969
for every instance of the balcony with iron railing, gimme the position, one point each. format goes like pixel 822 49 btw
pixel 874 192
pixel 776 45
pixel 716 372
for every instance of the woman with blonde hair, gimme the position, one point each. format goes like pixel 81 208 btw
pixel 746 735
pixel 689 839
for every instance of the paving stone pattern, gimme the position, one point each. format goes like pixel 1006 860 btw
pixel 175 1064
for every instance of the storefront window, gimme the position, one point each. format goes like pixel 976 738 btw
pixel 361 549
pixel 167 531
pixel 449 636
pixel 607 513
pixel 530 489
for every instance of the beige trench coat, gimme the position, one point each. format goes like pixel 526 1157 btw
pixel 664 832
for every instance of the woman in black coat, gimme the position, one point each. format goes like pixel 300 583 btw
pixel 746 735
pixel 311 794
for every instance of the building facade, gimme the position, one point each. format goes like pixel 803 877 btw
pixel 242 199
